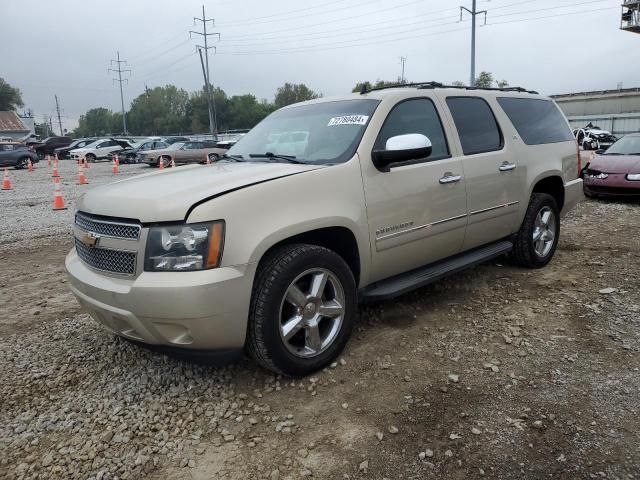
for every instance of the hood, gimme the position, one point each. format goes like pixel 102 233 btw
pixel 165 196
pixel 616 163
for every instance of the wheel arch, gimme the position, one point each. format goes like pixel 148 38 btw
pixel 339 239
pixel 552 185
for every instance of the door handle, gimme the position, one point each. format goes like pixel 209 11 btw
pixel 506 166
pixel 450 178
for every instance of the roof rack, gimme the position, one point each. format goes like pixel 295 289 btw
pixel 426 85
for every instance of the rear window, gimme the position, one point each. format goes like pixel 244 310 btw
pixel 537 121
pixel 477 127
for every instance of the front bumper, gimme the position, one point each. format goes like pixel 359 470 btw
pixel 573 193
pixel 615 185
pixel 204 310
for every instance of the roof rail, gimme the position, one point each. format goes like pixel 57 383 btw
pixel 425 85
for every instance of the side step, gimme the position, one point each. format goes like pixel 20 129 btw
pixel 394 286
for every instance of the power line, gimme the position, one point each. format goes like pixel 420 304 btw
pixel 120 71
pixel 207 76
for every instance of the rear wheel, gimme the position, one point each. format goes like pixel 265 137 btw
pixel 537 240
pixel 302 309
pixel 214 157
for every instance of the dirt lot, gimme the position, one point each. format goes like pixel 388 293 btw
pixel 498 372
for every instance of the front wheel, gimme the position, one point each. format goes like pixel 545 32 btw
pixel 22 163
pixel 90 158
pixel 537 240
pixel 302 309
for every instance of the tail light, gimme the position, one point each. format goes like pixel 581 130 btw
pixel 579 161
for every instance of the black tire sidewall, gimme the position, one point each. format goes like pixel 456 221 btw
pixel 272 287
pixel 91 158
pixel 537 203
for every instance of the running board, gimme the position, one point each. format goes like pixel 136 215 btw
pixel 394 286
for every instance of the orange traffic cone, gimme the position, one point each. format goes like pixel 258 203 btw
pixel 29 165
pixel 114 168
pixel 207 160
pixel 6 183
pixel 86 164
pixel 161 163
pixel 117 160
pixel 173 163
pixel 58 201
pixel 82 180
pixel 55 173
pixel 48 160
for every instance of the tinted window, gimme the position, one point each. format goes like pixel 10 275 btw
pixel 415 116
pixel 537 121
pixel 476 125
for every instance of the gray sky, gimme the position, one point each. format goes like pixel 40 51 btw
pixel 64 47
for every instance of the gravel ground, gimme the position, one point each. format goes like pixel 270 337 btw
pixel 498 372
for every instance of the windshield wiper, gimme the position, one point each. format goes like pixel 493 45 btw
pixel 288 158
pixel 235 158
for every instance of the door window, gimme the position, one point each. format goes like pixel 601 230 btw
pixel 415 116
pixel 477 127
pixel 537 121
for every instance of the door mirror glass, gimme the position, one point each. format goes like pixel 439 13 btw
pixel 401 148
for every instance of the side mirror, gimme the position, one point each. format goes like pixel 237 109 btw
pixel 401 148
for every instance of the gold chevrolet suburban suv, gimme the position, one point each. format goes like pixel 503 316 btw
pixel 271 249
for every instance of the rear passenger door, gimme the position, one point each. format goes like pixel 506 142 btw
pixel 490 170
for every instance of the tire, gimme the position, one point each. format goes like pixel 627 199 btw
pixel 586 146
pixel 166 161
pixel 300 265
pixel 21 164
pixel 527 252
pixel 214 157
pixel 90 157
pixel 130 159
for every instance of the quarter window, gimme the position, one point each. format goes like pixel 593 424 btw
pixel 537 121
pixel 477 127
pixel 415 116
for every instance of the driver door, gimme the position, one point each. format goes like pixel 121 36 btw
pixel 417 210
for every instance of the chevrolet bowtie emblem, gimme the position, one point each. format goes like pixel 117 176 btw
pixel 91 239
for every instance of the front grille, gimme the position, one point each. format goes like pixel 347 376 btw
pixel 115 261
pixel 107 228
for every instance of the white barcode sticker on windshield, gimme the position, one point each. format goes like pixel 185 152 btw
pixel 348 120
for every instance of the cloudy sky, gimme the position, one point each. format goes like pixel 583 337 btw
pixel 64 47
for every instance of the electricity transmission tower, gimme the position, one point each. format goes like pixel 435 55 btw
pixel 403 60
pixel 474 13
pixel 120 71
pixel 58 112
pixel 207 76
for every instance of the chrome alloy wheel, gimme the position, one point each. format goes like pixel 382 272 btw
pixel 312 312
pixel 544 232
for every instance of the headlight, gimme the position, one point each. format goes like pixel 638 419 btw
pixel 598 175
pixel 179 248
pixel 634 177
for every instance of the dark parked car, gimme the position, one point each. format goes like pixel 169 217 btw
pixel 63 152
pixel 16 155
pixel 172 140
pixel 49 144
pixel 616 170
pixel 130 155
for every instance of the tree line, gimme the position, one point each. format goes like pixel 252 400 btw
pixel 172 110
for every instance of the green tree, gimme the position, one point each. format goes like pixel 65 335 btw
pixel 245 111
pixel 97 121
pixel 293 93
pixel 484 80
pixel 159 111
pixel 10 97
pixel 367 85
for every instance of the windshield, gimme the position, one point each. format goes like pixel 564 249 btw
pixel 629 145
pixel 327 132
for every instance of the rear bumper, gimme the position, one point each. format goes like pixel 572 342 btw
pixel 573 193
pixel 204 310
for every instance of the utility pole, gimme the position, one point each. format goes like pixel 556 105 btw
pixel 120 70
pixel 207 76
pixel 474 13
pixel 58 111
pixel 50 125
pixel 403 60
